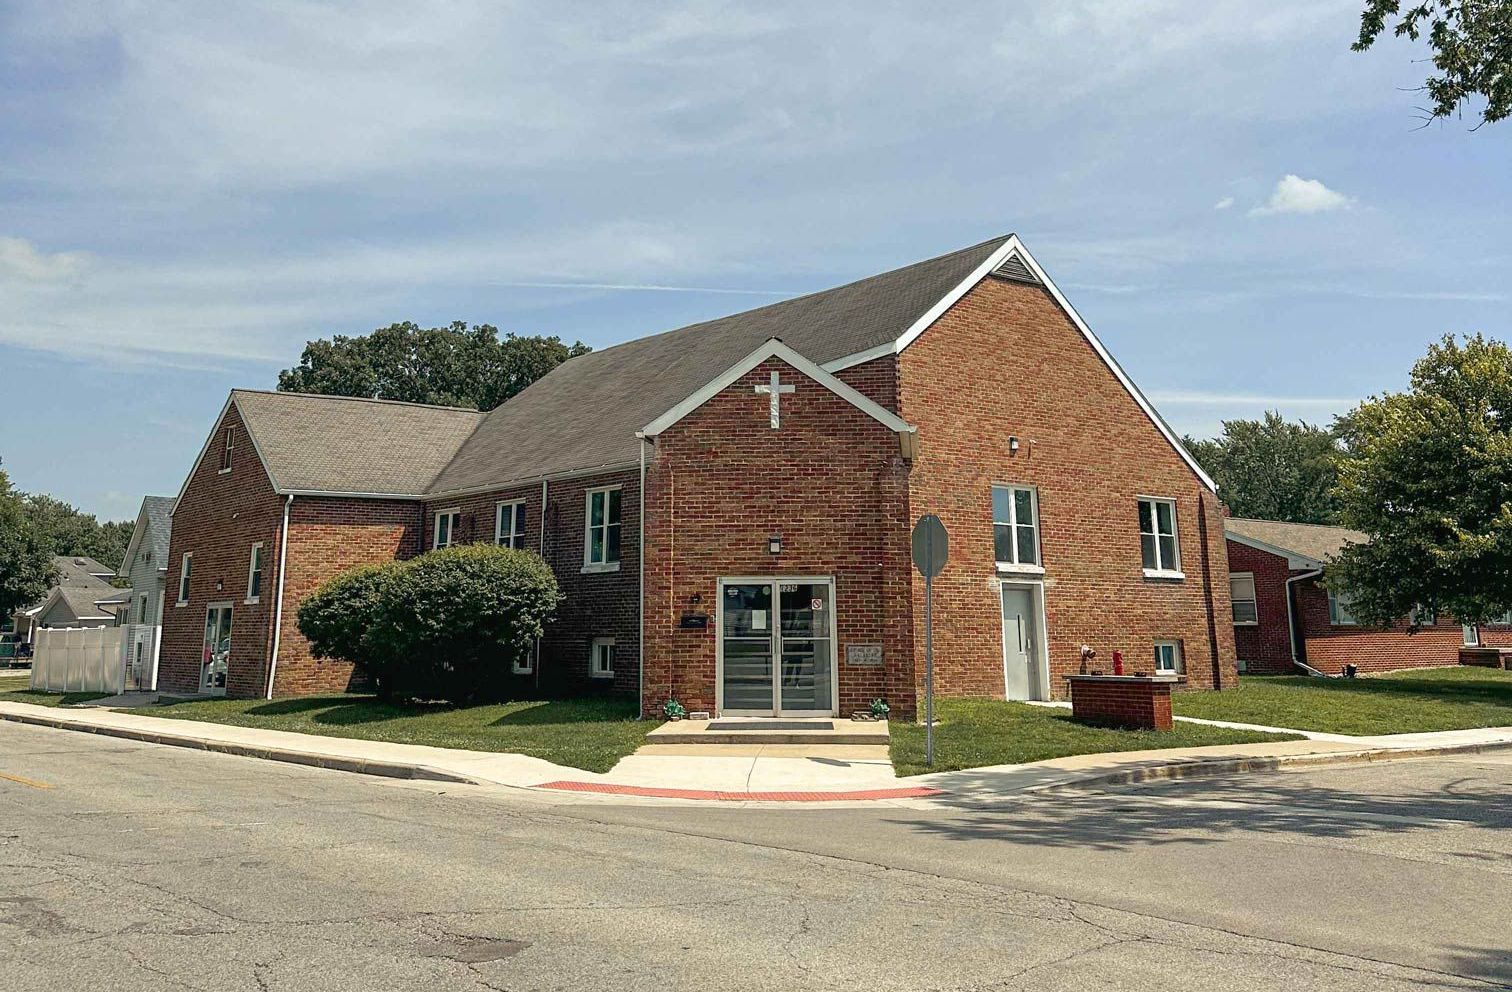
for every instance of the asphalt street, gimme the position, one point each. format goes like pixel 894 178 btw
pixel 127 866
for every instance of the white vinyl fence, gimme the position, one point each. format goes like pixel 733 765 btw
pixel 79 659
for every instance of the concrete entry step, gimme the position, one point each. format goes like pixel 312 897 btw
pixel 758 730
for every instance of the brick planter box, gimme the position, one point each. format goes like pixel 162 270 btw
pixel 1138 702
pixel 1486 657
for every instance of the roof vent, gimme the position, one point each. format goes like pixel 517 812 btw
pixel 1014 268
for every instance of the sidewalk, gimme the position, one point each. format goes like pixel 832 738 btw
pixel 752 773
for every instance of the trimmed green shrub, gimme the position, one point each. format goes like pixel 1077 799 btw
pixel 339 617
pixel 450 624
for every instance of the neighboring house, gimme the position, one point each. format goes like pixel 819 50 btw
pixel 81 596
pixel 776 461
pixel 1284 616
pixel 145 566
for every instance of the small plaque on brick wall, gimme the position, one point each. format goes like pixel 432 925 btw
pixel 863 655
pixel 694 621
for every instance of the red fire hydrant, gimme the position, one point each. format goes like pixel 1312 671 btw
pixel 1117 662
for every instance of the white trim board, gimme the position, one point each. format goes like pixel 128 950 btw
pixel 774 348
pixel 1293 560
pixel 1011 247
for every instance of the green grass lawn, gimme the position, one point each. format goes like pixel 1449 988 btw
pixel 592 734
pixel 971 733
pixel 15 691
pixel 1395 703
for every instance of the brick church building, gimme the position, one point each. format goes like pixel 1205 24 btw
pixel 727 507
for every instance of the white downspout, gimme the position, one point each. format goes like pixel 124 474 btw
pixel 536 673
pixel 640 647
pixel 283 560
pixel 1291 624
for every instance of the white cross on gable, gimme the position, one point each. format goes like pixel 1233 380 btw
pixel 776 389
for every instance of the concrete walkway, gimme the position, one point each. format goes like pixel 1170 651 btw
pixel 750 773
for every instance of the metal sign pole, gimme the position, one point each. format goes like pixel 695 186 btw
pixel 929 671
pixel 931 549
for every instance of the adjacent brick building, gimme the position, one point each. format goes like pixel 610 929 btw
pixel 728 506
pixel 1286 620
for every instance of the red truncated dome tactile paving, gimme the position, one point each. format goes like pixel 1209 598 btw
pixel 911 792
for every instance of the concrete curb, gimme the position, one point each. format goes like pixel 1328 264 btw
pixel 386 769
pixel 1202 767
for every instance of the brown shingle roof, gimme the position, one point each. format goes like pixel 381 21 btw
pixel 339 444
pixel 584 413
pixel 1318 542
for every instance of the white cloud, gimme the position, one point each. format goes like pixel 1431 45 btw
pixel 1295 195
pixel 1224 204
pixel 22 260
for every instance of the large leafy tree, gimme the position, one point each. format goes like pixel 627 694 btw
pixel 25 558
pixel 1471 41
pixel 67 530
pixel 457 365
pixel 1273 469
pixel 1430 480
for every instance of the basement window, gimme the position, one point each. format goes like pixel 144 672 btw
pixel 601 662
pixel 1168 660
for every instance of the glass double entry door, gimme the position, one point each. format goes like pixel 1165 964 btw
pixel 216 656
pixel 777 646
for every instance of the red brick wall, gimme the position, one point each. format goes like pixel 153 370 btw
pixel 597 604
pixel 1330 648
pixel 877 380
pixel 328 536
pixel 830 481
pixel 1266 647
pixel 218 519
pixel 1116 703
pixel 1006 361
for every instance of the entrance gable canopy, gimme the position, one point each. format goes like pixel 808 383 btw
pixel 774 348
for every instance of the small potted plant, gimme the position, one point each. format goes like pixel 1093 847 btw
pixel 880 709
pixel 673 710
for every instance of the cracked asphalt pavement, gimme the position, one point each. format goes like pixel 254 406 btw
pixel 128 866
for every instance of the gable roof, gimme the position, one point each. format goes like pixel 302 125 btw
pixel 154 527
pixel 347 446
pixel 81 572
pixel 776 349
pixel 583 415
pixel 79 603
pixel 1312 544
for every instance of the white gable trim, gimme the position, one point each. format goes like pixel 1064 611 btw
pixel 136 539
pixel 774 348
pixel 1010 247
pixel 1293 560
pixel 216 432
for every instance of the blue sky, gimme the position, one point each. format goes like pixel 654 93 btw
pixel 1245 211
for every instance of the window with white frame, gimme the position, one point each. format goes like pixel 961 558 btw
pixel 1168 660
pixel 601 663
pixel 509 524
pixel 1157 536
pixel 445 534
pixel 1015 526
pixel 525 664
pixel 601 543
pixel 1423 616
pixel 227 447
pixel 1339 612
pixel 254 573
pixel 1242 596
pixel 185 564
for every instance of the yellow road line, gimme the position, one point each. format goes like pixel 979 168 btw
pixel 25 781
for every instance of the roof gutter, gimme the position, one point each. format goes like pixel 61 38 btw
pixel 1292 633
pixel 283 559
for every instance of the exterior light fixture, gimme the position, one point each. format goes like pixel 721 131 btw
pixel 1013 444
pixel 774 544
